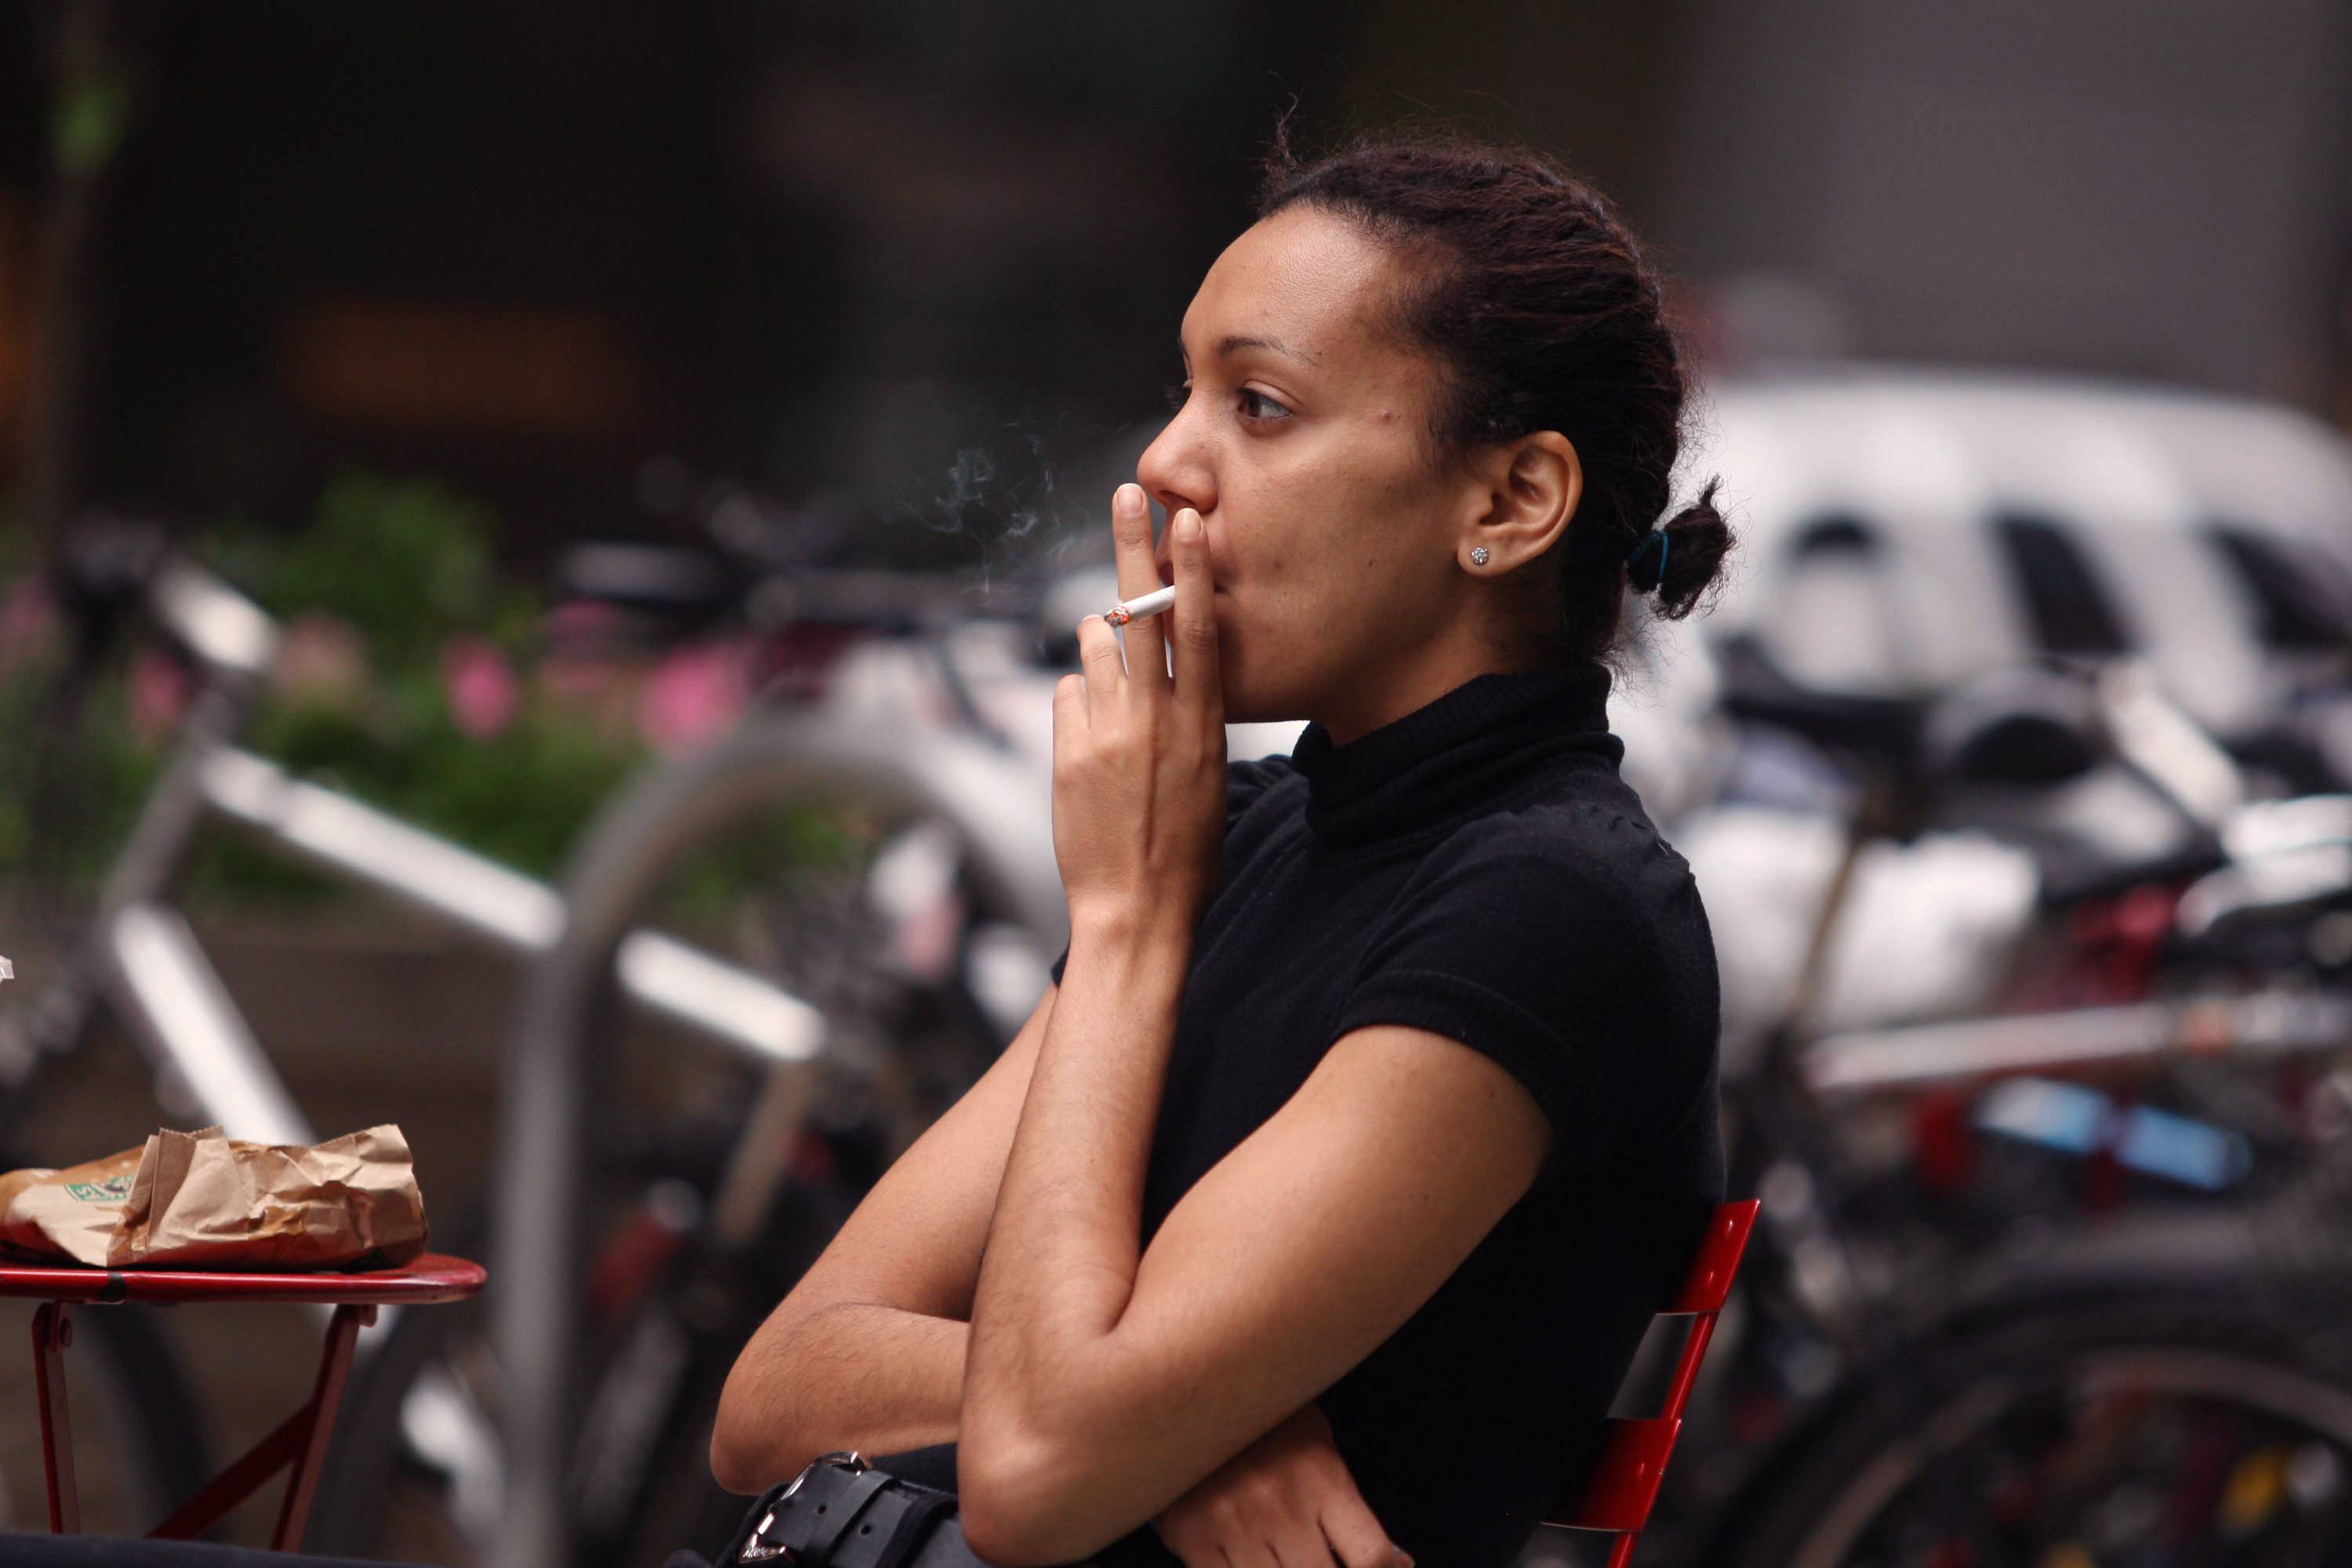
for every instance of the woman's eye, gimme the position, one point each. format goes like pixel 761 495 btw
pixel 1258 406
pixel 1178 394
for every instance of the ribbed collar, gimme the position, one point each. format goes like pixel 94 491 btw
pixel 1466 746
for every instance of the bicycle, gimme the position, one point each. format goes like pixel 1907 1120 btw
pixel 1868 1334
pixel 141 959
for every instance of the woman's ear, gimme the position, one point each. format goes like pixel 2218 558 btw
pixel 1534 486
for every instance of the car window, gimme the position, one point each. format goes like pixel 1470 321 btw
pixel 2066 605
pixel 2302 601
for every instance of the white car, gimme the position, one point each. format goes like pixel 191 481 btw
pixel 1904 531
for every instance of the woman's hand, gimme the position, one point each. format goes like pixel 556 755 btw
pixel 1139 754
pixel 1285 1502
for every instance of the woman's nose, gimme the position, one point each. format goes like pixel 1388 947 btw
pixel 1175 472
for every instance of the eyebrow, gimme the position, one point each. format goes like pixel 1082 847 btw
pixel 1235 343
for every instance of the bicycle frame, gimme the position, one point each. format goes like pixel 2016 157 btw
pixel 146 960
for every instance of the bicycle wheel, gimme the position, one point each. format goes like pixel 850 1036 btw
pixel 2154 1433
pixel 138 1445
pixel 789 854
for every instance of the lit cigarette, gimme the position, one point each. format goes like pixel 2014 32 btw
pixel 1151 605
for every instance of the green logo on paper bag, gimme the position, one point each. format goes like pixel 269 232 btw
pixel 113 1190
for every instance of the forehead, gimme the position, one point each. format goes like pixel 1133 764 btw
pixel 1303 278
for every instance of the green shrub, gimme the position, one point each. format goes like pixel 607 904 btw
pixel 396 569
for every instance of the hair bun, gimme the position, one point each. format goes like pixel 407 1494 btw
pixel 1689 558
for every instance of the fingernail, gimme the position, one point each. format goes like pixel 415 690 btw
pixel 1129 498
pixel 1188 526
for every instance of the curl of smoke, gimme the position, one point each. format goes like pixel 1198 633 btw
pixel 1005 499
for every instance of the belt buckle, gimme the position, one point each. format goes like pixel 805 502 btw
pixel 757 1550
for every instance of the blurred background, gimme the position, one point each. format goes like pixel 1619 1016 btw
pixel 635 424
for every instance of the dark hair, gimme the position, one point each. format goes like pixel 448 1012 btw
pixel 1538 303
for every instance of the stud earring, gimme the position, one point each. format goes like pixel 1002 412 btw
pixel 1478 555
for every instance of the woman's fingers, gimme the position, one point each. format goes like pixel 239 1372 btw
pixel 1301 1547
pixel 1099 656
pixel 1196 616
pixel 1356 1536
pixel 1131 528
pixel 1190 1542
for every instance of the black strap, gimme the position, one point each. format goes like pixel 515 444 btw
pixel 914 1527
pixel 832 1516
pixel 839 1513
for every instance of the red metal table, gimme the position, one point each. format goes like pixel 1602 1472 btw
pixel 300 1441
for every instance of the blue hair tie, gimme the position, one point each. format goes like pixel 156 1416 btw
pixel 1664 546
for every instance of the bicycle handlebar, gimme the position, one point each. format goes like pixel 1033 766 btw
pixel 226 631
pixel 109 564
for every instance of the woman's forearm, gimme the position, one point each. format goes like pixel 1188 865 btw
pixel 850 1374
pixel 1065 1237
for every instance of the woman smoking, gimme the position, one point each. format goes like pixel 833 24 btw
pixel 1317 1211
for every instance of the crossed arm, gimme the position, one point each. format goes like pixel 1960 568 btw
pixel 993 1289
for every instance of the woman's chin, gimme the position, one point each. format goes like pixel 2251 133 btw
pixel 1244 704
pixel 1260 680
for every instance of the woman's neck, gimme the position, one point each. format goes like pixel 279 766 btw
pixel 1374 699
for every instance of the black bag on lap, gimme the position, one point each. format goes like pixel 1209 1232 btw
pixel 841 1512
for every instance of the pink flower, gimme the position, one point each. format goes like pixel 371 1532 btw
pixel 160 689
pixel 480 685
pixel 695 695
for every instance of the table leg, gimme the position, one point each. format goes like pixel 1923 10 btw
pixel 52 1333
pixel 326 1395
pixel 298 1442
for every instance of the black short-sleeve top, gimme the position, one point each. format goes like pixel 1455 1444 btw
pixel 1478 869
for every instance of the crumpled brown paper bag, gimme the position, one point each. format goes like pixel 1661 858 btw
pixel 198 1200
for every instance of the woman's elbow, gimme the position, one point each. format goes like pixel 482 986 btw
pixel 729 1467
pixel 734 1456
pixel 1016 1496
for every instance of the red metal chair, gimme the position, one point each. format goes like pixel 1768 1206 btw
pixel 1623 1484
pixel 299 1446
